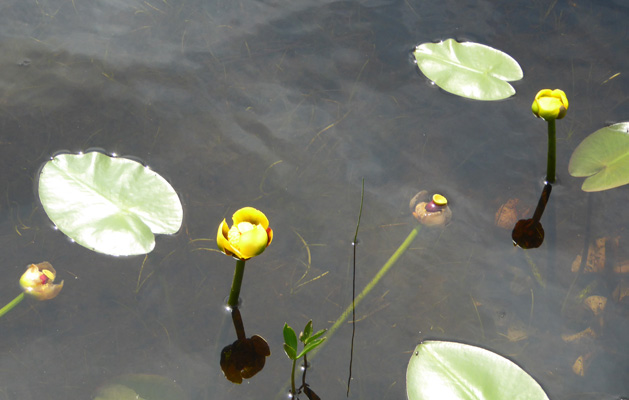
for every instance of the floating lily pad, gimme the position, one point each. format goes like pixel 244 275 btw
pixel 457 371
pixel 111 205
pixel 603 157
pixel 469 69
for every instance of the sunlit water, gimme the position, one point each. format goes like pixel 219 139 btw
pixel 287 106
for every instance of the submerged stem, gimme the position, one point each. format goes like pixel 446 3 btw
pixel 385 268
pixel 234 294
pixel 552 150
pixel 11 304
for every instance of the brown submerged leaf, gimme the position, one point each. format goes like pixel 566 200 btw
pixel 509 213
pixel 587 333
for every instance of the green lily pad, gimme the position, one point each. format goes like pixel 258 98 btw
pixel 603 157
pixel 110 205
pixel 457 371
pixel 140 387
pixel 469 69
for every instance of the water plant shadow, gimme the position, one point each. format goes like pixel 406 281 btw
pixel 246 356
pixel 529 233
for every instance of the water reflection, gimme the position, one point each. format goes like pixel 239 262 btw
pixel 529 233
pixel 246 356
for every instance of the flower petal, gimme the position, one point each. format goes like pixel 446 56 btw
pixel 252 215
pixel 48 291
pixel 253 242
pixel 222 242
pixel 269 232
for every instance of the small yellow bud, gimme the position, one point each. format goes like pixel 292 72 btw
pixel 550 104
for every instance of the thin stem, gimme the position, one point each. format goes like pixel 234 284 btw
pixel 234 294
pixel 303 376
pixel 552 150
pixel 12 304
pixel 385 268
pixel 354 244
pixel 292 380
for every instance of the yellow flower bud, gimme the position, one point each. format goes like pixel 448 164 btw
pixel 550 104
pixel 38 280
pixel 249 236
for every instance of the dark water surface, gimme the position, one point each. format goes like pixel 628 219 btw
pixel 287 106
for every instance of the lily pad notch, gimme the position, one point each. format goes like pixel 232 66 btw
pixel 111 205
pixel 469 69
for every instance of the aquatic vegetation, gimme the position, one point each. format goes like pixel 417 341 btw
pixel 550 105
pixel 38 283
pixel 602 158
pixel 420 197
pixel 108 204
pixel 468 69
pixel 450 370
pixel 248 237
pixel 140 386
pixel 310 341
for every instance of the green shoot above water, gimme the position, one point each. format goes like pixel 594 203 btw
pixel 310 342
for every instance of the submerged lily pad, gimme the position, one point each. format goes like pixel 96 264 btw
pixel 457 371
pixel 111 205
pixel 603 157
pixel 140 387
pixel 469 69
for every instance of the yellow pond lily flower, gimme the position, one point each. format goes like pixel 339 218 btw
pixel 550 104
pixel 249 236
pixel 38 280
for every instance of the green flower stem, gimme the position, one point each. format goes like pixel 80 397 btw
pixel 385 268
pixel 12 304
pixel 552 150
pixel 292 380
pixel 234 294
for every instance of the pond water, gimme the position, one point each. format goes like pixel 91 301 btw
pixel 287 107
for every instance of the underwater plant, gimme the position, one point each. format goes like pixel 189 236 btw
pixel 248 237
pixel 140 386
